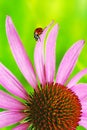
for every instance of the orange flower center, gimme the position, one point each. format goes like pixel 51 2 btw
pixel 54 107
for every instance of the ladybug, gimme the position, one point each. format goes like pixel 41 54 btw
pixel 37 33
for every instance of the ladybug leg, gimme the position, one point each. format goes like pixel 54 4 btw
pixel 36 37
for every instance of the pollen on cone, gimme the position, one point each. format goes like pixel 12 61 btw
pixel 54 107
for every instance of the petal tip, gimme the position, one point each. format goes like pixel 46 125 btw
pixel 82 41
pixel 57 26
pixel 8 20
pixel 7 16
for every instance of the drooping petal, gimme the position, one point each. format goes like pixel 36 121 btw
pixel 84 105
pixel 68 62
pixel 9 118
pixel 22 127
pixel 19 53
pixel 8 102
pixel 83 122
pixel 77 77
pixel 39 57
pixel 50 54
pixel 80 90
pixel 9 82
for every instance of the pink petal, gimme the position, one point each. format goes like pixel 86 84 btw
pixel 9 81
pixel 77 77
pixel 8 102
pixel 9 118
pixel 22 127
pixel 84 105
pixel 83 122
pixel 50 54
pixel 39 63
pixel 19 53
pixel 80 90
pixel 39 56
pixel 84 115
pixel 68 62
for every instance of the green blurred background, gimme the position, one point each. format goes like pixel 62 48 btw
pixel 29 14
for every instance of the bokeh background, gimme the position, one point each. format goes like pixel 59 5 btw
pixel 29 14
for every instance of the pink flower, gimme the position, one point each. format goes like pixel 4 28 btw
pixel 53 105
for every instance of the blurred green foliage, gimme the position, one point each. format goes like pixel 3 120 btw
pixel 29 14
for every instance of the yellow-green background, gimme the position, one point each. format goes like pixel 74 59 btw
pixel 29 14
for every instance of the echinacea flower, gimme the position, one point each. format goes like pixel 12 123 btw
pixel 54 104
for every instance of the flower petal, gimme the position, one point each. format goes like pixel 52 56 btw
pixel 9 81
pixel 8 102
pixel 39 57
pixel 68 62
pixel 19 53
pixel 9 118
pixel 83 122
pixel 84 105
pixel 80 90
pixel 22 127
pixel 77 77
pixel 50 54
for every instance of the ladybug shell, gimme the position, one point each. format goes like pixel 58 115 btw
pixel 37 33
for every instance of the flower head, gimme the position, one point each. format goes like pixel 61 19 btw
pixel 54 104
